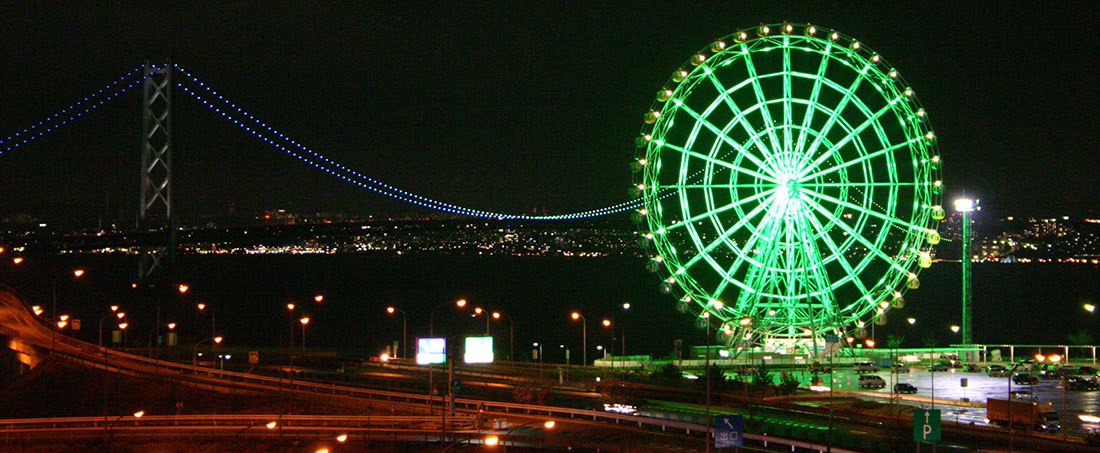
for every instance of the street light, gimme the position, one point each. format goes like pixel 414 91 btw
pixel 318 298
pixel 202 309
pixel 195 349
pixel 304 320
pixel 116 313
pixel 431 317
pixel 955 329
pixel 479 311
pixel 584 336
pixel 1090 308
pixel 511 332
pixel 912 321
pixel 404 331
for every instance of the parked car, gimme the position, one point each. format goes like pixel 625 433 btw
pixel 1085 371
pixel 996 371
pixel 900 368
pixel 1025 395
pixel 972 368
pixel 870 381
pixel 939 367
pixel 865 367
pixel 903 387
pixel 1054 373
pixel 1081 383
pixel 1024 379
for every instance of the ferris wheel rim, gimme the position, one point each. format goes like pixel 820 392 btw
pixel 805 171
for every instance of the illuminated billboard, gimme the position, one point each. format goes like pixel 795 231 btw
pixel 431 350
pixel 479 350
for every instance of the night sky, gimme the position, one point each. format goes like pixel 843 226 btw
pixel 506 107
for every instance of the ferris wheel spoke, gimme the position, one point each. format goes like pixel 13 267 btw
pixel 854 234
pixel 721 134
pixel 718 186
pixel 901 223
pixel 762 207
pixel 855 132
pixel 722 209
pixel 808 118
pixel 769 124
pixel 727 277
pixel 813 256
pixel 736 266
pixel 787 121
pixel 858 160
pixel 836 115
pixel 765 277
pixel 857 184
pixel 718 162
pixel 850 274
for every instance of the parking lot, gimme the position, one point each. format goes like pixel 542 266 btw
pixel 979 387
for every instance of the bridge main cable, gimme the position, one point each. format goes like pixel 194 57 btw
pixel 273 137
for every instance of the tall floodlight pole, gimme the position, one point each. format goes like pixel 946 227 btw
pixel 965 206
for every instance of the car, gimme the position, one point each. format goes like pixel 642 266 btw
pixel 1054 373
pixel 1022 395
pixel 900 368
pixel 1081 383
pixel 903 387
pixel 865 367
pixel 1024 379
pixel 870 381
pixel 972 368
pixel 939 367
pixel 1085 371
pixel 996 371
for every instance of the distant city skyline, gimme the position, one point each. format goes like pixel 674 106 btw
pixel 530 107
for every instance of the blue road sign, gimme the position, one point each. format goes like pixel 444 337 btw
pixel 728 431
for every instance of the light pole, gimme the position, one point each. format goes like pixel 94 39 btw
pixel 304 320
pixel 538 346
pixel 114 312
pixel 584 336
pixel 404 330
pixel 622 328
pixel 478 311
pixel 431 317
pixel 511 336
pixel 431 369
pixel 202 309
pixel 290 310
pixel 77 273
pixel 1011 372
pixel 965 206
pixel 611 344
pixel 195 349
pixel 1057 359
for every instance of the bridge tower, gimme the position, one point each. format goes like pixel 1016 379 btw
pixel 156 221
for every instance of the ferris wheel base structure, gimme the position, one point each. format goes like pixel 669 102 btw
pixel 791 186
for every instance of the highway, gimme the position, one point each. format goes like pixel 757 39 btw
pixel 575 427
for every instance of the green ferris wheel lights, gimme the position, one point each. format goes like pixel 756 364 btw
pixel 791 183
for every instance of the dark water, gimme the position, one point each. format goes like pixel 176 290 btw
pixel 1017 303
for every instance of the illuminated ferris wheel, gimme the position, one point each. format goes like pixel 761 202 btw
pixel 791 184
